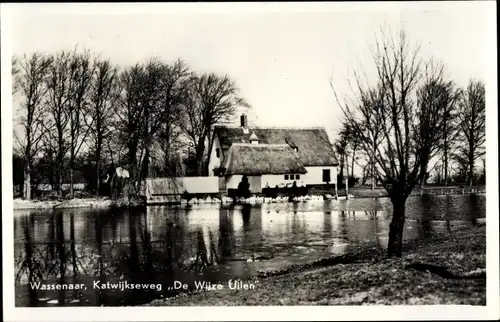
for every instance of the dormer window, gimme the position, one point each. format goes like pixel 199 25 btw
pixel 253 138
pixel 217 153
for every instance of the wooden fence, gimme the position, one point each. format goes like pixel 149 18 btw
pixel 166 190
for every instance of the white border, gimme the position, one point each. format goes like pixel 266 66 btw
pixel 8 11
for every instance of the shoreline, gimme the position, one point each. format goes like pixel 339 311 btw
pixel 106 202
pixel 90 203
pixel 368 277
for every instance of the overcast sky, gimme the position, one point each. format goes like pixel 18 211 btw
pixel 281 59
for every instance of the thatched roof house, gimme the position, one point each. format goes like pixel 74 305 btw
pixel 258 159
pixel 311 144
pixel 279 156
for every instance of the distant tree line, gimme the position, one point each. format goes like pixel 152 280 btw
pixel 81 115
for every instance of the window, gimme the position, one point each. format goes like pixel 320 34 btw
pixel 326 175
pixel 217 153
pixel 297 177
pixel 286 176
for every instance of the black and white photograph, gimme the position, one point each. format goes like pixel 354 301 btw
pixel 251 157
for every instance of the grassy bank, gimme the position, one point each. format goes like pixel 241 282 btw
pixel 372 280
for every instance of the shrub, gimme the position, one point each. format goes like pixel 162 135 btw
pixel 352 181
pixel 186 195
pixel 244 188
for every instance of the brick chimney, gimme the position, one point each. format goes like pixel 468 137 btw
pixel 244 121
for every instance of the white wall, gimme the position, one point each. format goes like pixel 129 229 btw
pixel 201 184
pixel 214 162
pixel 233 181
pixel 273 180
pixel 314 175
pixel 178 185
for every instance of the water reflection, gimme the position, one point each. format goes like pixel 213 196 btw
pixel 226 234
pixel 164 244
pixel 28 262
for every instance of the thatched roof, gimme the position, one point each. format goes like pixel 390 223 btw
pixel 314 147
pixel 257 159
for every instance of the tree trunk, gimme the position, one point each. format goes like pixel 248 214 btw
pixel 422 184
pixel 373 168
pixel 352 162
pixel 445 149
pixel 471 158
pixel 394 248
pixel 71 167
pixel 446 166
pixel 59 181
pixel 132 154
pixel 471 172
pixel 98 170
pixel 341 174
pixel 484 171
pixel 27 182
pixel 60 160
pixel 145 165
pixel 200 150
pixel 71 190
pixel 346 158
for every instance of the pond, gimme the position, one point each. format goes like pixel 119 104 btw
pixel 80 252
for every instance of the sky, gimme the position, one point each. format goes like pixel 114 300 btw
pixel 281 57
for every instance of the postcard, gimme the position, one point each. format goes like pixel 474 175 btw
pixel 249 161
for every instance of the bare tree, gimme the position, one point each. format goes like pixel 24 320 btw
pixel 346 148
pixel 164 90
pixel 16 69
pixel 450 130
pixel 438 95
pixel 80 79
pixel 353 143
pixel 100 110
pixel 151 99
pixel 354 147
pixel 408 134
pixel 59 96
pixel 129 112
pixel 29 78
pixel 165 128
pixel 211 99
pixel 340 147
pixel 369 103
pixel 472 120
